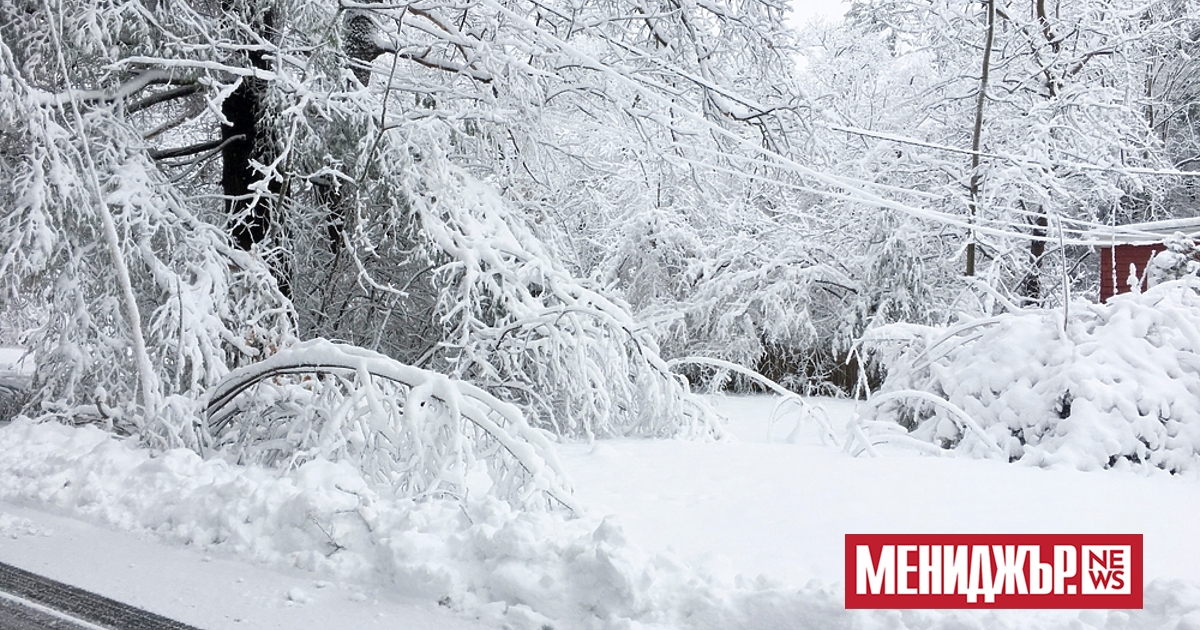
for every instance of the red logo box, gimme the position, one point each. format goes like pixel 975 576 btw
pixel 993 571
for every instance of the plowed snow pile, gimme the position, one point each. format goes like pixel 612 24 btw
pixel 528 570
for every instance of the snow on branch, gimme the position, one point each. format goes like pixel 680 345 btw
pixel 520 325
pixel 121 92
pixel 416 430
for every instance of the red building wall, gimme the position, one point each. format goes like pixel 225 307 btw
pixel 1124 256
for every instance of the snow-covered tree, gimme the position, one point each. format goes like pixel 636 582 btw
pixel 195 185
pixel 134 304
pixel 1064 143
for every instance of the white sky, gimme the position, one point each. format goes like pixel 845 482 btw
pixel 804 10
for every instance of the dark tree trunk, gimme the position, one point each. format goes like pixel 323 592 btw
pixel 1030 288
pixel 330 195
pixel 250 219
pixel 246 138
pixel 358 42
pixel 977 132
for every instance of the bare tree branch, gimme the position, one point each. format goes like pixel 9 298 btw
pixel 164 96
pixel 193 149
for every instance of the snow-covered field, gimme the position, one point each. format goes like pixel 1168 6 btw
pixel 782 509
pixel 742 533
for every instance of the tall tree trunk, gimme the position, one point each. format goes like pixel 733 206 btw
pixel 1053 83
pixel 977 134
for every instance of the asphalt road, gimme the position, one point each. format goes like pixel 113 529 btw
pixel 73 608
pixel 15 615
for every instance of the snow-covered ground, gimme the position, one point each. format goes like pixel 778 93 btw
pixel 744 533
pixel 782 509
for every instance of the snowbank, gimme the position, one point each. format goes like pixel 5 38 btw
pixel 527 569
pixel 1117 385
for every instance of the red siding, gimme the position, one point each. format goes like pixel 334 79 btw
pixel 1124 256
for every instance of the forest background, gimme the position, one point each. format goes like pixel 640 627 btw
pixel 561 205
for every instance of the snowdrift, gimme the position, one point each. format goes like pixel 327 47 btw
pixel 1091 386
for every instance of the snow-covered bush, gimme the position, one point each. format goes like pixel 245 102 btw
pixel 788 310
pixel 1176 261
pixel 12 400
pixel 1117 384
pixel 771 315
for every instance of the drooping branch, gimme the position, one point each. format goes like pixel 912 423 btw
pixel 499 420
